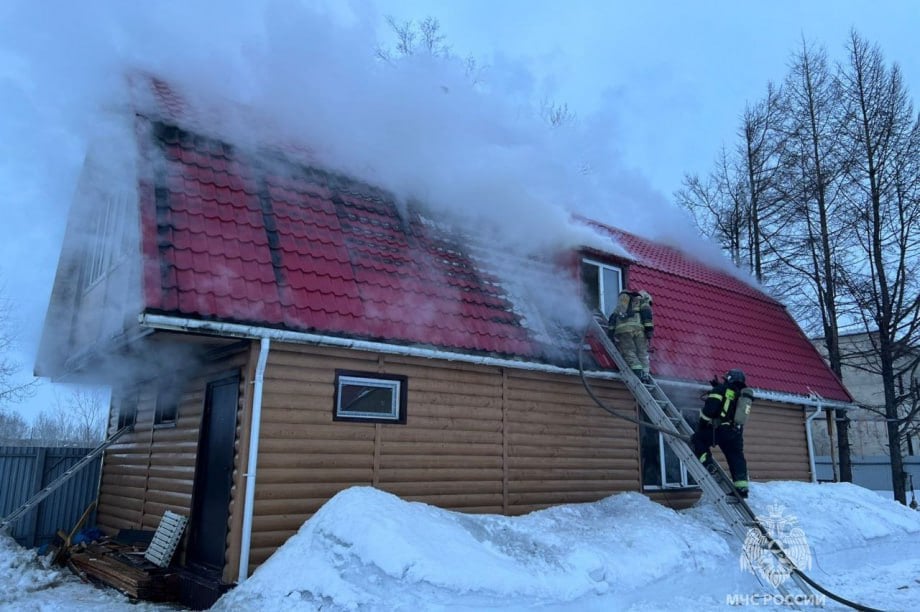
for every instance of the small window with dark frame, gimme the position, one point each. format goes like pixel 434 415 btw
pixel 370 397
pixel 127 410
pixel 169 392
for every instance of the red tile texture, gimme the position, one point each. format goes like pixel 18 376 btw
pixel 281 248
pixel 235 239
pixel 707 322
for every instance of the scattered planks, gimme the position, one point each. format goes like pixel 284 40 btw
pixel 124 568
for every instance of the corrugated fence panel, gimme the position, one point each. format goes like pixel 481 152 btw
pixel 17 484
pixel 26 470
pixel 63 508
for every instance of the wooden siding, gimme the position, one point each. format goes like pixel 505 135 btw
pixel 775 444
pixel 477 439
pixel 101 309
pixel 152 469
pixel 562 447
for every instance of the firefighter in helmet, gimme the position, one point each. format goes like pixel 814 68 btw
pixel 722 417
pixel 630 328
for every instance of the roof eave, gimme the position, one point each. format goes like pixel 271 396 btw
pixel 237 330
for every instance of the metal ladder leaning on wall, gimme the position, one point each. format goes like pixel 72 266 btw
pixel 60 480
pixel 664 414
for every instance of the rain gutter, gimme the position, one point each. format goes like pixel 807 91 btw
pixel 250 475
pixel 237 330
pixel 811 441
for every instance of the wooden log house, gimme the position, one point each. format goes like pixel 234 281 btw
pixel 276 333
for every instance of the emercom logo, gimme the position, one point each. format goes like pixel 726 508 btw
pixel 756 556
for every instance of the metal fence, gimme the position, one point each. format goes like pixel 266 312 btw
pixel 870 472
pixel 26 470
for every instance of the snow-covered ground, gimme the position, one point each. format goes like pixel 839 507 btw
pixel 369 550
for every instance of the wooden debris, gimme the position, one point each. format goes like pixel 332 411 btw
pixel 124 568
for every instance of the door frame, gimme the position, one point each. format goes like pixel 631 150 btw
pixel 195 510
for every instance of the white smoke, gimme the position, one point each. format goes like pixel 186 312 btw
pixel 305 74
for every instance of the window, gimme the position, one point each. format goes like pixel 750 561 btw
pixel 661 469
pixel 602 283
pixel 364 396
pixel 109 235
pixel 169 393
pixel 127 410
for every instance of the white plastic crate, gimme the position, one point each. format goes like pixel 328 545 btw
pixel 163 545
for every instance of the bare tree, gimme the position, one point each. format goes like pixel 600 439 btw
pixel 758 157
pixel 556 114
pixel 882 277
pixel 718 206
pixel 88 410
pixel 50 428
pixel 735 204
pixel 819 200
pixel 11 391
pixel 76 419
pixel 812 173
pixel 13 427
pixel 414 38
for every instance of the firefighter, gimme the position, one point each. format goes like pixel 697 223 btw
pixel 631 328
pixel 722 417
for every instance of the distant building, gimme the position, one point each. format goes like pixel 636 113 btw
pixel 868 434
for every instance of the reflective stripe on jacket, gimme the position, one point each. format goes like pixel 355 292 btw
pixel 720 403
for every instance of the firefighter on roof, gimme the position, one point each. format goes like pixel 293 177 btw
pixel 630 327
pixel 722 418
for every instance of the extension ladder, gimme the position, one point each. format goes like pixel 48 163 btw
pixel 60 480
pixel 666 416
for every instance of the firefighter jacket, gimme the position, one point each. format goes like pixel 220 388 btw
pixel 633 313
pixel 720 405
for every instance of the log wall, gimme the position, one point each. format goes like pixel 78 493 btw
pixel 152 468
pixel 477 439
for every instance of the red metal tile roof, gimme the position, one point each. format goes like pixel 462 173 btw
pixel 708 321
pixel 233 238
pixel 283 249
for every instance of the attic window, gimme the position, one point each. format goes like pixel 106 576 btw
pixel 370 397
pixel 602 283
pixel 108 238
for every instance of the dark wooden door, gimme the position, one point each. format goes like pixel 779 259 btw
pixel 213 476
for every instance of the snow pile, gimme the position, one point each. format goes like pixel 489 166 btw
pixel 367 549
pixel 26 585
pixel 20 572
pixel 839 516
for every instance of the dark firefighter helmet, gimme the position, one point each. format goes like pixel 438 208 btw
pixel 734 378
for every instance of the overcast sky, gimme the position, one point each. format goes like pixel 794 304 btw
pixel 657 87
